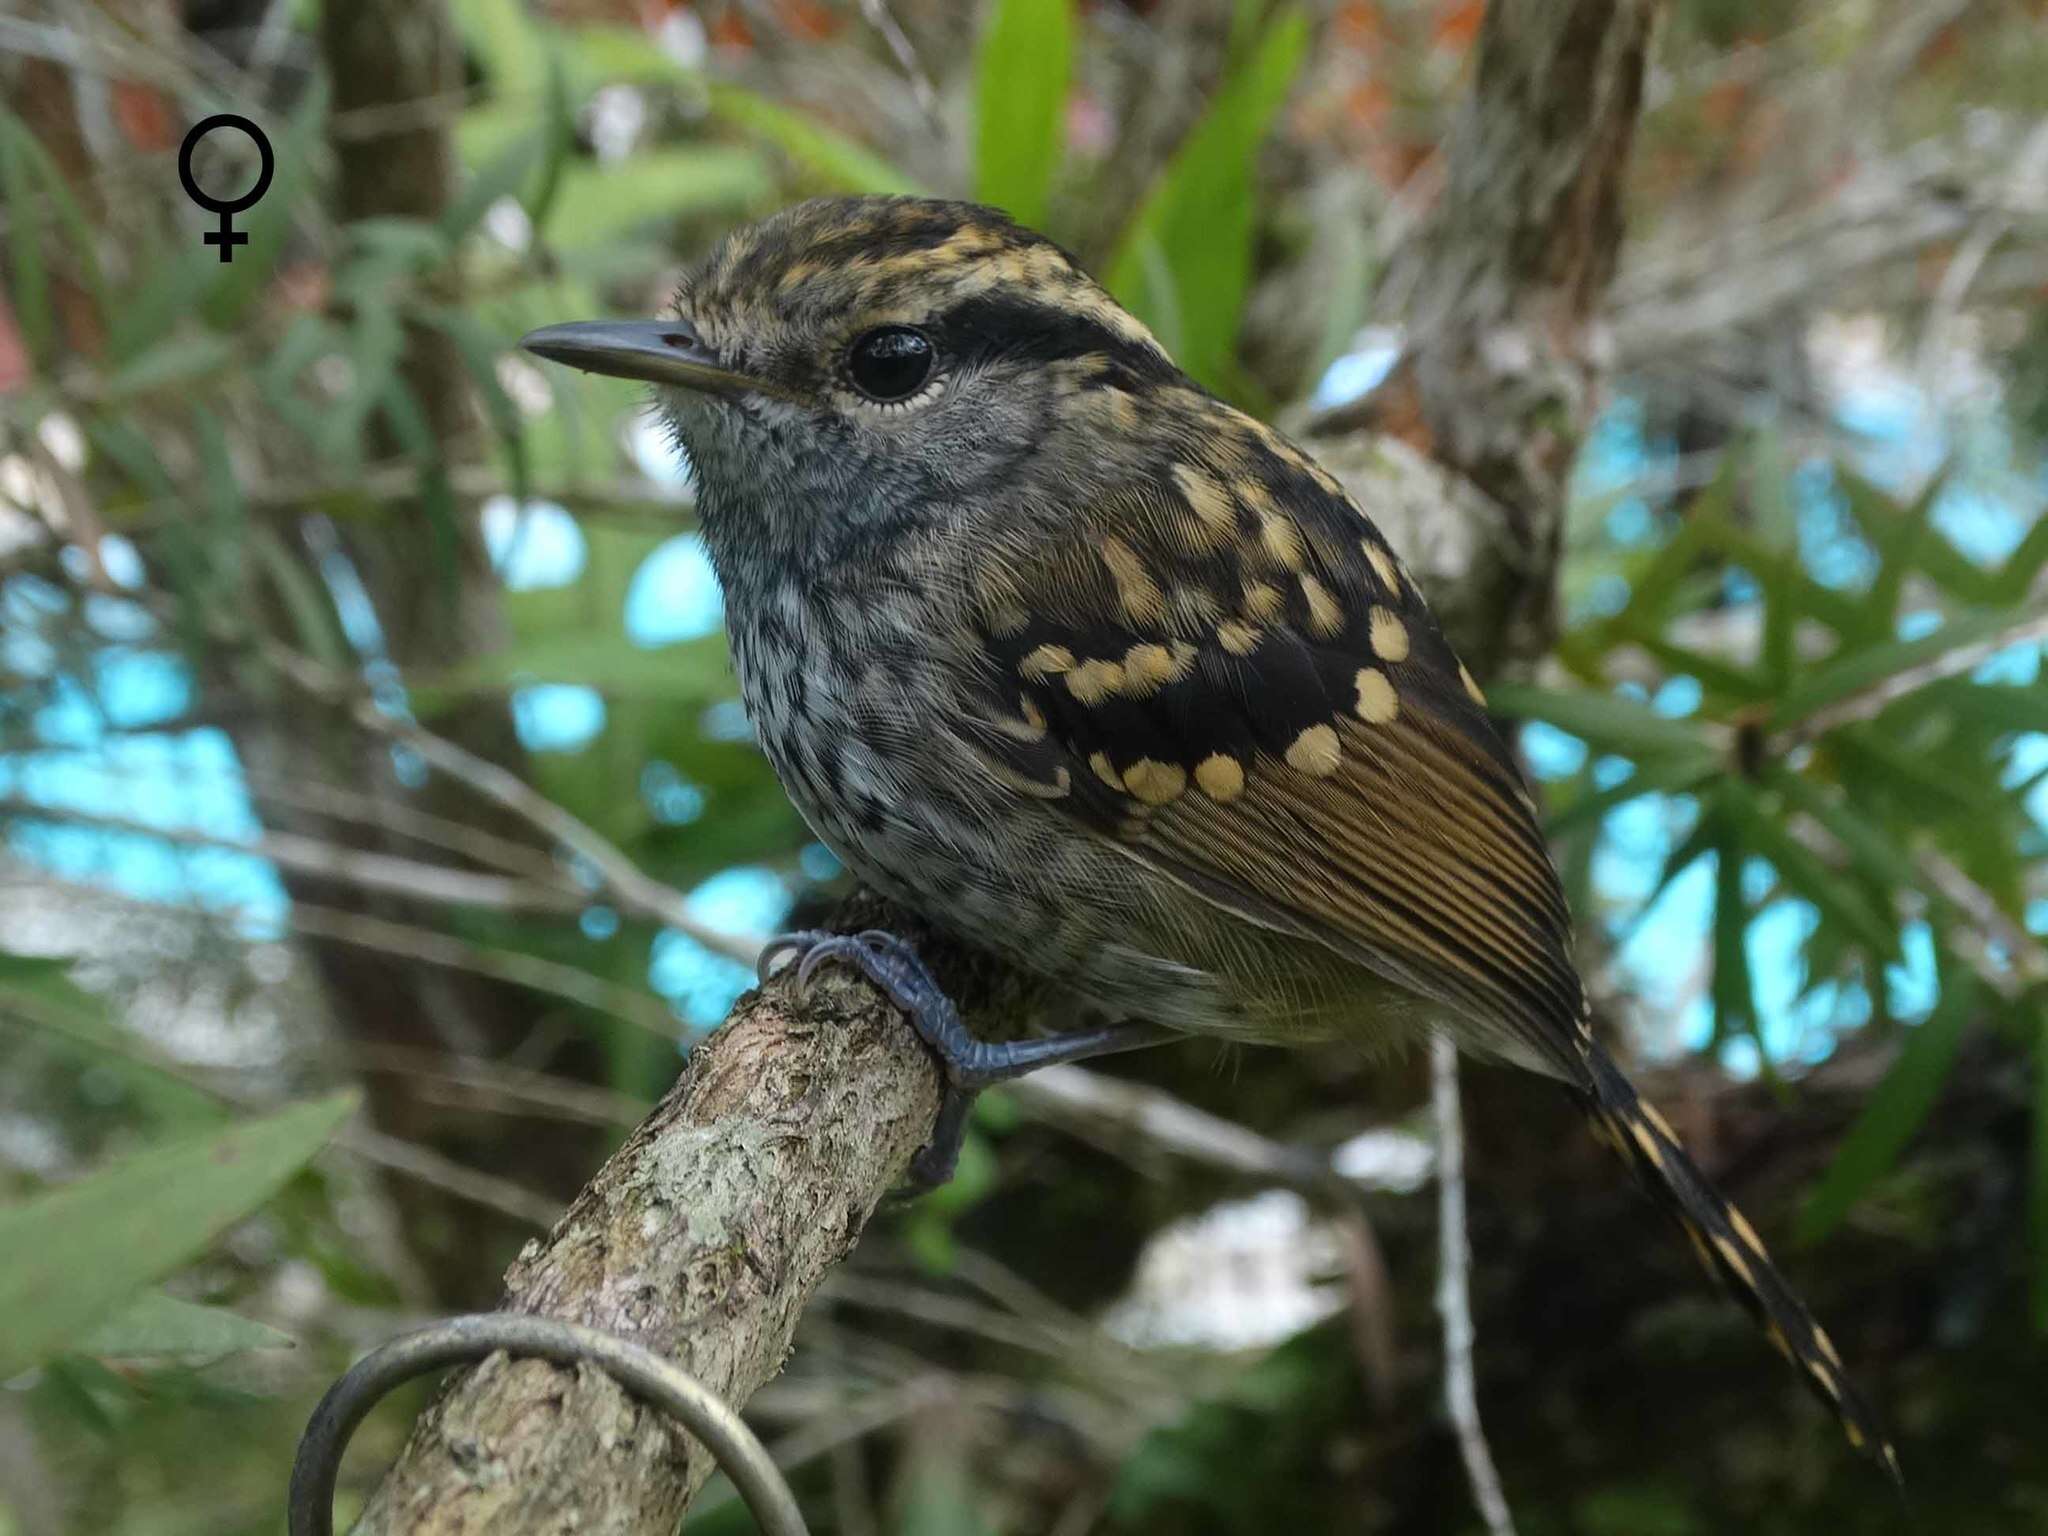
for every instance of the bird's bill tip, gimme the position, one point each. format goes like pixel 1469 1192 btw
pixel 654 351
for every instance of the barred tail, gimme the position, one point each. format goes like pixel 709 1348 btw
pixel 1727 1245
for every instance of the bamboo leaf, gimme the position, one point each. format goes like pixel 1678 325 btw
pixel 1020 102
pixel 176 361
pixel 1733 989
pixel 1605 722
pixel 1674 777
pixel 561 141
pixel 1880 860
pixel 1892 1114
pixel 480 351
pixel 506 42
pixel 1804 872
pixel 837 161
pixel 25 240
pixel 1844 676
pixel 315 627
pixel 75 1254
pixel 231 287
pixel 38 994
pixel 503 177
pixel 158 1326
pixel 1199 213
pixel 82 254
pixel 659 186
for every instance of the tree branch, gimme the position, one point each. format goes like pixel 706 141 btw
pixel 703 1238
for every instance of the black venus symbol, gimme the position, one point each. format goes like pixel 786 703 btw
pixel 227 237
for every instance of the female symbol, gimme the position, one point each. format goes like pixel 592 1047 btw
pixel 227 236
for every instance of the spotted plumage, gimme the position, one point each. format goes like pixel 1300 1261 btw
pixel 1097 671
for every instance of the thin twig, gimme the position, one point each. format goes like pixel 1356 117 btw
pixel 631 888
pixel 2026 959
pixel 509 1090
pixel 1453 1294
pixel 1868 703
pixel 326 798
pixel 880 18
pixel 391 874
pixel 1105 1109
pixel 1969 259
pixel 426 1167
pixel 568 982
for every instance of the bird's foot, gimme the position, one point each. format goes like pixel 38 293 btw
pixel 968 1063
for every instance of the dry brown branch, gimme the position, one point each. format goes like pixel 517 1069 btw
pixel 1869 703
pixel 364 868
pixel 628 885
pixel 1454 1292
pixel 703 1238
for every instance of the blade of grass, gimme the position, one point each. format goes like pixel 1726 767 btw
pixel 1020 100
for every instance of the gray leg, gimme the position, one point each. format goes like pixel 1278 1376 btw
pixel 970 1064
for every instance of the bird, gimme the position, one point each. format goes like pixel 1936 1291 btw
pixel 1096 672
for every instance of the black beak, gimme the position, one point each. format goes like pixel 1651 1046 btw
pixel 658 351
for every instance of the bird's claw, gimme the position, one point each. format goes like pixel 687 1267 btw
pixel 893 966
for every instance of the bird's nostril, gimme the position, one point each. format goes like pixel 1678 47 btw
pixel 679 338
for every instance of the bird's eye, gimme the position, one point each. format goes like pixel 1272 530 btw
pixel 891 363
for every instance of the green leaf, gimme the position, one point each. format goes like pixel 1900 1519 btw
pixel 1893 1112
pixel 157 1326
pixel 1719 679
pixel 1198 217
pixel 1804 872
pixel 503 177
pixel 1734 990
pixel 839 162
pixel 1020 102
pixel 507 44
pixel 480 351
pixel 1658 580
pixel 25 240
pixel 1870 849
pixel 595 204
pixel 315 627
pixel 176 361
pixel 151 313
pixel 38 994
pixel 74 1254
pixel 561 143
pixel 1607 722
pixel 82 256
pixel 1674 777
pixel 1844 676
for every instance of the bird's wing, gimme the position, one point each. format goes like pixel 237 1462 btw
pixel 1230 673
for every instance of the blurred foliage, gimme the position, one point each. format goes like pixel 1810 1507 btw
pixel 1854 755
pixel 1835 759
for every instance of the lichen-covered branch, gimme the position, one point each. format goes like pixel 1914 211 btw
pixel 703 1238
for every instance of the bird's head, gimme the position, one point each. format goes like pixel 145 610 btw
pixel 837 367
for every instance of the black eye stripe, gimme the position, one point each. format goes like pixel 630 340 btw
pixel 1034 331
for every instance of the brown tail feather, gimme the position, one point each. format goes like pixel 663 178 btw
pixel 1727 1245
